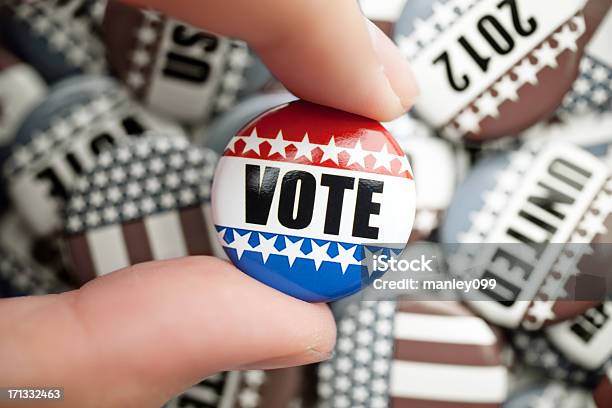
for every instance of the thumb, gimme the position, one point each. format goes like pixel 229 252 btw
pixel 323 51
pixel 141 335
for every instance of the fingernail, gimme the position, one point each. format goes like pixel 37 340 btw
pixel 395 67
pixel 310 356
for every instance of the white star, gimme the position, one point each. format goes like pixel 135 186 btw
pixel 147 205
pixel 331 152
pixel 600 96
pixel 542 311
pixel 129 210
pixel 252 142
pixel 566 39
pixel 507 88
pixel 357 154
pixel 444 15
pixel 93 218
pixel 278 145
pixel 487 105
pixel 408 46
pixel 221 236
pixel 600 73
pixel 241 243
pixel 167 200
pixel 468 121
pixel 146 35
pixel 135 80
pixel 546 56
pixel 141 57
pixel 319 253
pixel 74 223
pixel 303 148
pixel 526 72
pixel 346 257
pixel 231 146
pixel 292 250
pixel 404 164
pixel 110 214
pixel 266 247
pixel 424 30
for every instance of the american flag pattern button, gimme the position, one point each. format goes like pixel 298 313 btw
pixel 179 71
pixel 501 203
pixel 413 354
pixel 491 68
pixel 303 190
pixel 146 200
pixel 60 139
pixel 592 91
pixel 57 37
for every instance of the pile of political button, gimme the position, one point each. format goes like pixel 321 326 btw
pixel 60 139
pixel 414 353
pixel 438 167
pixel 145 200
pixel 245 389
pixel 491 68
pixel 100 177
pixel 177 70
pixel 530 220
pixel 53 36
pixel 303 190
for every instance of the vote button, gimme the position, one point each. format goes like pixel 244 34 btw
pixel 304 194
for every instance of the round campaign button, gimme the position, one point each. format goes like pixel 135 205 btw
pixel 535 222
pixel 21 88
pixel 177 70
pixel 60 140
pixel 492 68
pixel 414 354
pixel 58 38
pixel 145 200
pixel 303 190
